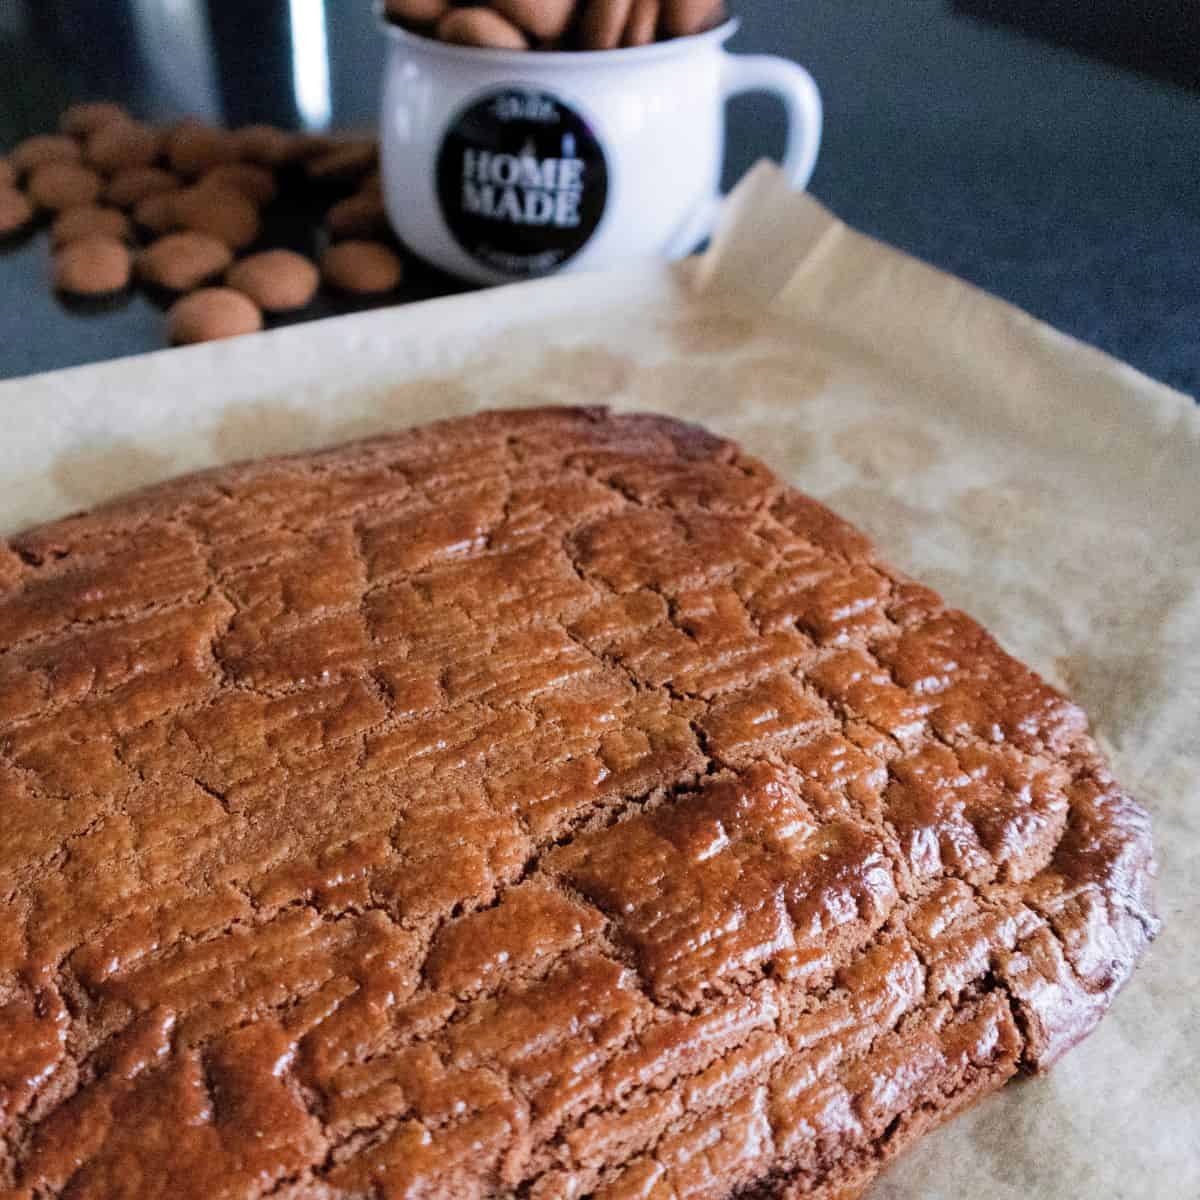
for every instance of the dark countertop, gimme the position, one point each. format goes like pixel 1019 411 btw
pixel 1068 186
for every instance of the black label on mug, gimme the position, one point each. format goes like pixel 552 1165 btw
pixel 522 181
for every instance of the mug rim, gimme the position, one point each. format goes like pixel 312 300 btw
pixel 590 59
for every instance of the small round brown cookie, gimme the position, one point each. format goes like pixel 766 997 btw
pixel 60 185
pixel 187 121
pixel 16 213
pixel 480 26
pixel 256 183
pixel 212 313
pixel 682 18
pixel 88 219
pixel 313 145
pixel 642 25
pixel 182 261
pixel 134 184
pixel 544 19
pixel 349 161
pixel 603 22
pixel 360 216
pixel 361 268
pixel 92 266
pixel 220 211
pixel 122 144
pixel 41 149
pixel 8 173
pixel 372 185
pixel 266 145
pixel 156 214
pixel 276 280
pixel 415 12
pixel 193 148
pixel 82 120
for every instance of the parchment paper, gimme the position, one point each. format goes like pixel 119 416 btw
pixel 1049 490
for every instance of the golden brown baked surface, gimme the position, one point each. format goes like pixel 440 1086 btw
pixel 541 804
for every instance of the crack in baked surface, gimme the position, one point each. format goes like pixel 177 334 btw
pixel 538 804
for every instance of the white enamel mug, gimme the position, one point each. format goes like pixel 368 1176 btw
pixel 501 165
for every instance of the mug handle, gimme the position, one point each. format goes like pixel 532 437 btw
pixel 805 116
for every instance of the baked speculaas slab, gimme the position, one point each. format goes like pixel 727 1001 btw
pixel 540 804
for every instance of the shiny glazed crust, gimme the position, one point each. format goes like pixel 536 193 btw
pixel 539 804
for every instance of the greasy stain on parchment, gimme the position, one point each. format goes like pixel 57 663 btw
pixel 888 449
pixel 90 475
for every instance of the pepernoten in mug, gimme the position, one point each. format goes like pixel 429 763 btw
pixel 501 165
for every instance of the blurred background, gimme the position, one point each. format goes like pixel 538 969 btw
pixel 1046 150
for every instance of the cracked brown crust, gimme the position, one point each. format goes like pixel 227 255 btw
pixel 540 804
